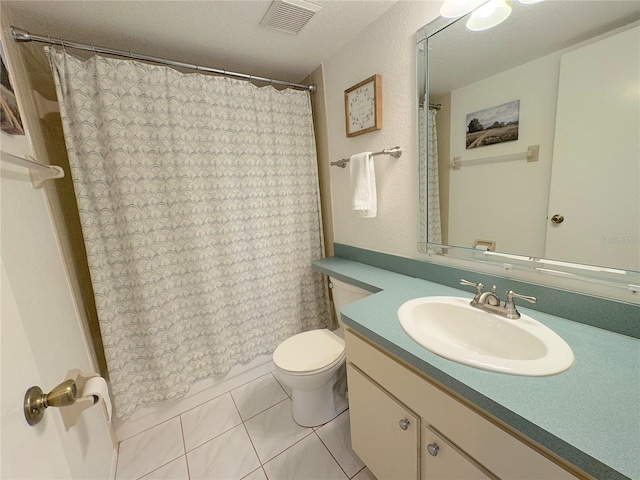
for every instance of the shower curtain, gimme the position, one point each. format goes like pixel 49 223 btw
pixel 434 228
pixel 199 205
pixel 429 179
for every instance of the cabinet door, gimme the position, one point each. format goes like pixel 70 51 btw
pixel 441 460
pixel 384 433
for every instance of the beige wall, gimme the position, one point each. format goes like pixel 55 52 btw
pixel 38 306
pixel 318 101
pixel 387 47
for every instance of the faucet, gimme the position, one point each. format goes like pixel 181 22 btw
pixel 489 301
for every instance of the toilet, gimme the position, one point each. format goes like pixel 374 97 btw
pixel 312 365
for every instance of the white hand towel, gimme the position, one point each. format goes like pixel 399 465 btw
pixel 363 184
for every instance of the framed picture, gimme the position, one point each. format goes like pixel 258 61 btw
pixel 493 125
pixel 363 106
pixel 10 120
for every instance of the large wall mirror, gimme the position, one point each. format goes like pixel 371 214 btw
pixel 530 137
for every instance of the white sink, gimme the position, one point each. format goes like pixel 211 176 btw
pixel 451 328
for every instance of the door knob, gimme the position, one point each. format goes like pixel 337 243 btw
pixel 433 448
pixel 35 401
pixel 557 219
pixel 404 423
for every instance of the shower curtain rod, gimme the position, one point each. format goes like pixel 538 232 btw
pixel 20 35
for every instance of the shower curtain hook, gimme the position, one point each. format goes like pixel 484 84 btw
pixel 130 55
pixel 93 47
pixel 289 84
pixel 64 49
pixel 165 62
pixel 197 67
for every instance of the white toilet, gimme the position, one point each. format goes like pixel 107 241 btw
pixel 312 365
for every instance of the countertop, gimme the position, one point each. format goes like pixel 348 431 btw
pixel 589 415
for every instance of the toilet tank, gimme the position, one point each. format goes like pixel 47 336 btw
pixel 344 294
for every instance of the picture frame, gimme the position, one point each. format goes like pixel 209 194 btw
pixel 493 125
pixel 363 106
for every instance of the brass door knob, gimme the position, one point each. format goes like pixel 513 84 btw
pixel 557 219
pixel 35 401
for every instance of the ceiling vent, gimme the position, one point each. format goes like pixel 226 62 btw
pixel 289 15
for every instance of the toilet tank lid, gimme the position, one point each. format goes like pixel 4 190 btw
pixel 349 287
pixel 309 351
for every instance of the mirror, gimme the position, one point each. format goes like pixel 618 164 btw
pixel 534 150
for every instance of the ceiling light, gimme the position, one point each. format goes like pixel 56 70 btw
pixel 489 15
pixel 458 8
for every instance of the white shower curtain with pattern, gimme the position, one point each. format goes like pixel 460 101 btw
pixel 434 226
pixel 198 199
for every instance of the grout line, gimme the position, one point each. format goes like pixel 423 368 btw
pixel 184 446
pixel 288 448
pixel 330 453
pixel 262 411
pixel 164 465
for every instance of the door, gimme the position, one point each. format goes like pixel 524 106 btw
pixel 384 433
pixel 595 181
pixel 441 460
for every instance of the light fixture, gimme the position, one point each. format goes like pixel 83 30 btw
pixel 489 15
pixel 458 8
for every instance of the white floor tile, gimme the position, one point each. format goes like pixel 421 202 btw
pixel 176 470
pixel 150 450
pixel 258 395
pixel 274 430
pixel 228 456
pixel 336 435
pixel 306 460
pixel 364 474
pixel 256 475
pixel 209 420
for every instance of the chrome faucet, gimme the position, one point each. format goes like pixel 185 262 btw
pixel 489 301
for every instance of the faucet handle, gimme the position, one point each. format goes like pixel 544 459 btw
pixel 478 286
pixel 510 306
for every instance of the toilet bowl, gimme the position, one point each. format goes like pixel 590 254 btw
pixel 312 365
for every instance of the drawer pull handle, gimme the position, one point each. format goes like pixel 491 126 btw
pixel 433 448
pixel 404 423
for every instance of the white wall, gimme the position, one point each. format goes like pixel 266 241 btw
pixel 41 335
pixel 505 202
pixel 386 47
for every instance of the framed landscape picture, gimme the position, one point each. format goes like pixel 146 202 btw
pixel 493 125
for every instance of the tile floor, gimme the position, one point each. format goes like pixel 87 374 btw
pixel 247 433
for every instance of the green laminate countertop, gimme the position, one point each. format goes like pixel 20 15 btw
pixel 588 415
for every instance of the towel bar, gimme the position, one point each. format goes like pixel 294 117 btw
pixel 394 152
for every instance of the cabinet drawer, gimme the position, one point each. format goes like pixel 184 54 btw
pixel 442 460
pixel 384 433
pixel 499 450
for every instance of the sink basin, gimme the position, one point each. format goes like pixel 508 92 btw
pixel 451 328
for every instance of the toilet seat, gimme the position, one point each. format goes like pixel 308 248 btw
pixel 309 352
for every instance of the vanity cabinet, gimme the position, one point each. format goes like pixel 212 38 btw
pixel 445 438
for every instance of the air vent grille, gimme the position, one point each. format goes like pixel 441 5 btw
pixel 289 16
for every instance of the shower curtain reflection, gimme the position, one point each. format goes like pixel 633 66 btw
pixel 199 206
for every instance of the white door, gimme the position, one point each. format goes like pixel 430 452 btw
pixel 27 452
pixel 595 181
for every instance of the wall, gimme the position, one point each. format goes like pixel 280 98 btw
pixel 41 333
pixel 386 47
pixel 505 202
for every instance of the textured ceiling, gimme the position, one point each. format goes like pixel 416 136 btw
pixel 219 34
